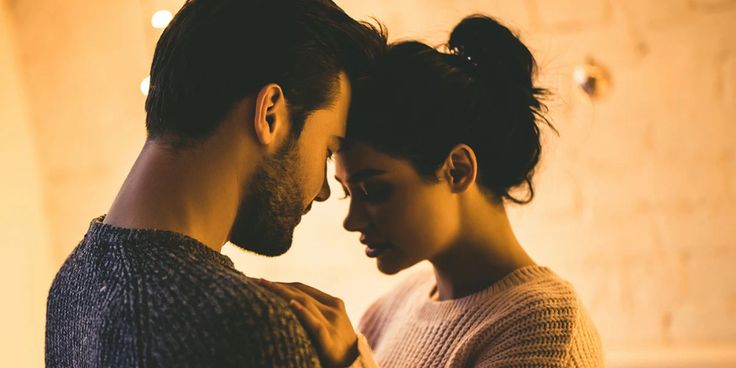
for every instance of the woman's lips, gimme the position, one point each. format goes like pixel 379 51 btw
pixel 374 247
pixel 376 250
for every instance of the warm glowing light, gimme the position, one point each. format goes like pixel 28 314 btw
pixel 592 78
pixel 161 19
pixel 145 84
pixel 579 74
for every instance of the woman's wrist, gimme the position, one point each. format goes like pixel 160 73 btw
pixel 352 355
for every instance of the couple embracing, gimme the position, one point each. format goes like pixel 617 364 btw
pixel 248 100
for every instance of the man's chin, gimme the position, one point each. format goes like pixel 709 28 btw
pixel 272 247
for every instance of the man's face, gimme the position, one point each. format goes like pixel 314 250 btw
pixel 285 185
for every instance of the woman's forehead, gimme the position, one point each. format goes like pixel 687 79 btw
pixel 359 161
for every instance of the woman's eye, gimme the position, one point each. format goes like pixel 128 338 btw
pixel 371 193
pixel 375 193
pixel 329 154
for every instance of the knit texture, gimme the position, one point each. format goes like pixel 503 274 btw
pixel 530 318
pixel 151 298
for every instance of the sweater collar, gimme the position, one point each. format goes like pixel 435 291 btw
pixel 99 231
pixel 448 309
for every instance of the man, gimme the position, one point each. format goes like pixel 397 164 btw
pixel 247 99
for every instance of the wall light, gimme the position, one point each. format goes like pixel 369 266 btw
pixel 161 19
pixel 145 84
pixel 592 78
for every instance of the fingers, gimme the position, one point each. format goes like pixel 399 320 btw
pixel 306 309
pixel 317 294
pixel 324 307
pixel 289 293
pixel 313 323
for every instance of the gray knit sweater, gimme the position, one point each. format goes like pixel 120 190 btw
pixel 151 298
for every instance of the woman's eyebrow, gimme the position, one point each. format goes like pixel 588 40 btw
pixel 362 175
pixel 340 141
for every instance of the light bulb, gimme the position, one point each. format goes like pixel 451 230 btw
pixel 592 78
pixel 161 19
pixel 145 84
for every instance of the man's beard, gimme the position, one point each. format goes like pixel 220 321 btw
pixel 273 205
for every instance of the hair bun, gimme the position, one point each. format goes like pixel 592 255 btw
pixel 493 49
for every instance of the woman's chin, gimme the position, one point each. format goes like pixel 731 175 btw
pixel 389 266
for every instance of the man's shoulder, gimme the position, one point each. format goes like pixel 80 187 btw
pixel 237 316
pixel 170 300
pixel 193 291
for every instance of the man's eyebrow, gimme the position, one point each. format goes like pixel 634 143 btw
pixel 362 175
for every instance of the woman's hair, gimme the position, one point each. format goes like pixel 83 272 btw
pixel 420 103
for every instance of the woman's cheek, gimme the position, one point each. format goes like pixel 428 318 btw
pixel 408 228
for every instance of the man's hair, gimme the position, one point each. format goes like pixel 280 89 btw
pixel 214 53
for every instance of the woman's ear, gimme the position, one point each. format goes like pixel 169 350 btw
pixel 460 168
pixel 271 115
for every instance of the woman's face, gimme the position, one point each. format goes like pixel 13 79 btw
pixel 402 218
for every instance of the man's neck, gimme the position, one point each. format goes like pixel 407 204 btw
pixel 192 192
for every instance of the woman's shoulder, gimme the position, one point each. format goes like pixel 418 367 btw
pixel 535 296
pixel 532 287
pixel 545 310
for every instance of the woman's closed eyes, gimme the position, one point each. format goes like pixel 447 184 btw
pixel 369 192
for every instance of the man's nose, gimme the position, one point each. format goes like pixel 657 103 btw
pixel 324 193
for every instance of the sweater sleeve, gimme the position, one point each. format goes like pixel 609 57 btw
pixel 548 334
pixel 365 357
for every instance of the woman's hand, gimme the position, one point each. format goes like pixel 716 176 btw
pixel 324 318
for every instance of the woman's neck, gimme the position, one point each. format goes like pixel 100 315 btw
pixel 486 251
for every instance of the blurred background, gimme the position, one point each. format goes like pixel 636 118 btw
pixel 636 200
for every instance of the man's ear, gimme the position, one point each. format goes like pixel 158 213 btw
pixel 460 168
pixel 271 115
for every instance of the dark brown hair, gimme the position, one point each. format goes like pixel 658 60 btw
pixel 422 102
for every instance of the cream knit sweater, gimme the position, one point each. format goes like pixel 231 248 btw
pixel 530 318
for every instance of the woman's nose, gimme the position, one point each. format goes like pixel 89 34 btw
pixel 356 218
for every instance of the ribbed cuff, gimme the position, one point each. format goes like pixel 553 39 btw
pixel 365 355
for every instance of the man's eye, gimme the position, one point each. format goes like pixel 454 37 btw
pixel 329 154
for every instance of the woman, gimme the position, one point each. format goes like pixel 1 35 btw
pixel 436 145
